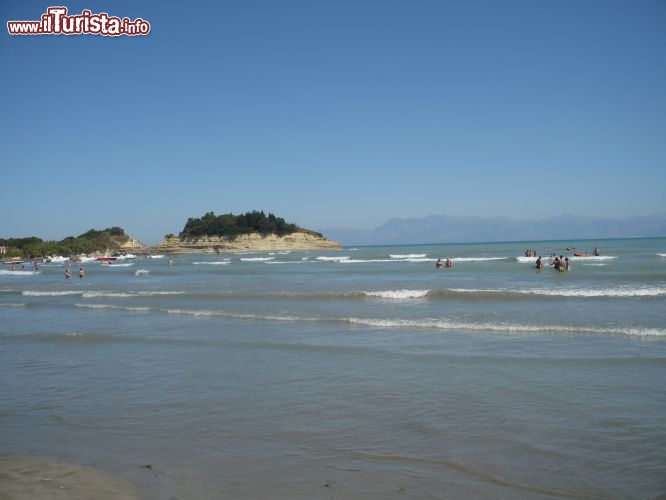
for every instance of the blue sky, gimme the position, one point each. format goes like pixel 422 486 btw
pixel 333 114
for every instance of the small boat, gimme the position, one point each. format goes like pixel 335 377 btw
pixel 55 259
pixel 105 259
pixel 126 256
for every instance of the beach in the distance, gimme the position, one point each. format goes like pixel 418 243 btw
pixel 363 372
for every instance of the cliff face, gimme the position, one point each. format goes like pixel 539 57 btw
pixel 132 244
pixel 247 242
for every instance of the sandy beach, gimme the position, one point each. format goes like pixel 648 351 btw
pixel 26 477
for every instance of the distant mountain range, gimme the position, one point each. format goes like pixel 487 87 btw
pixel 455 229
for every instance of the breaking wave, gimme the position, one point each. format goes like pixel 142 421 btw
pixel 432 324
pixel 397 294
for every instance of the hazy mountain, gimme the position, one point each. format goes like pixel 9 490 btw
pixel 454 229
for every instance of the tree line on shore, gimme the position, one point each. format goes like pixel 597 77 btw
pixel 89 242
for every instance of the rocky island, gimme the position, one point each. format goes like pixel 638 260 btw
pixel 300 240
pixel 250 232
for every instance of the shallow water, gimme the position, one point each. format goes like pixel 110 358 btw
pixel 360 373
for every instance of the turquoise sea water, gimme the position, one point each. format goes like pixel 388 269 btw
pixel 357 373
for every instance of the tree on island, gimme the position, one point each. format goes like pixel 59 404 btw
pixel 230 226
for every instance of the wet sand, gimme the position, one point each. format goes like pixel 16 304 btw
pixel 32 477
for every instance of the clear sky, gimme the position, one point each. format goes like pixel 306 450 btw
pixel 332 114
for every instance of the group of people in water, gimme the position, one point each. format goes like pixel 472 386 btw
pixel 559 263
pixel 68 272
pixel 447 263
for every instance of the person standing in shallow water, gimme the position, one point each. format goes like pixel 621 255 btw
pixel 68 272
pixel 82 272
pixel 539 264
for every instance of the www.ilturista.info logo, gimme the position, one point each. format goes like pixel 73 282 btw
pixel 56 22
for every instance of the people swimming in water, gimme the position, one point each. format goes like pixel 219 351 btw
pixel 561 264
pixel 539 263
pixel 68 272
pixel 446 263
pixel 82 272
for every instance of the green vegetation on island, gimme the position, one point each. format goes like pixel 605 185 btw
pixel 90 242
pixel 231 226
pixel 114 240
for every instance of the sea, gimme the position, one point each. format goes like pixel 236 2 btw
pixel 361 373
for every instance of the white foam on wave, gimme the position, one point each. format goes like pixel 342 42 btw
pixel 397 294
pixel 52 293
pixel 480 290
pixel 123 295
pixel 338 258
pixel 508 328
pixel 629 291
pixel 530 260
pixel 94 295
pixel 345 259
pixel 256 259
pixel 408 256
pixel 413 324
pixel 225 314
pixel 661 254
pixel 112 306
pixel 142 272
pixel 20 304
pixel 213 263
pixel 592 257
pixel 19 272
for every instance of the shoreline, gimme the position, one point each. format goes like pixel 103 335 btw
pixel 174 245
pixel 27 476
